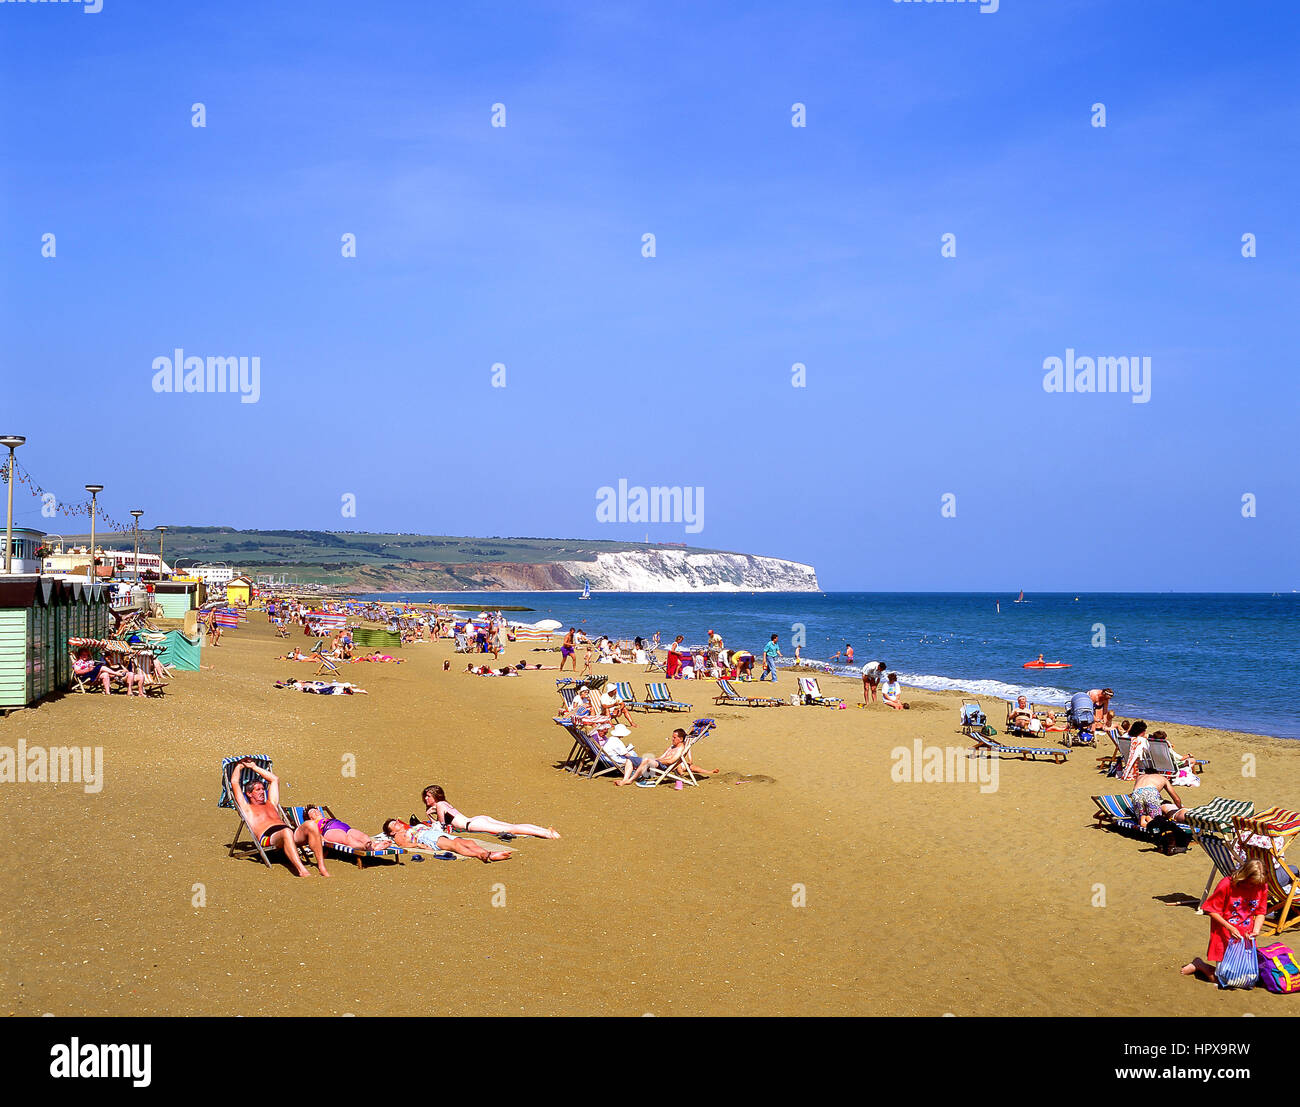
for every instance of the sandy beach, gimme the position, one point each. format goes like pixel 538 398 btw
pixel 802 879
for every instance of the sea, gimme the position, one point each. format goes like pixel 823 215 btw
pixel 1226 660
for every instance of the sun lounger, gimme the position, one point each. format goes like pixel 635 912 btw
pixel 728 695
pixel 658 698
pixel 988 744
pixel 1265 838
pixel 810 692
pixel 246 778
pixel 298 815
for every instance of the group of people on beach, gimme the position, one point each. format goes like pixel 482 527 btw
pixel 258 803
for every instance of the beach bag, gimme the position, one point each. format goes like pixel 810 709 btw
pixel 1278 970
pixel 1172 838
pixel 1240 965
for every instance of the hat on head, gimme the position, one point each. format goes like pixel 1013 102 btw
pixel 620 731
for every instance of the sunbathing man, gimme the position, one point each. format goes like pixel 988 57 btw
pixel 260 808
pixel 444 815
pixel 636 767
pixel 1022 715
pixel 432 837
pixel 613 705
pixel 1146 799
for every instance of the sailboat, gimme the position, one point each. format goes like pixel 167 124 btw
pixel 1022 597
pixel 586 589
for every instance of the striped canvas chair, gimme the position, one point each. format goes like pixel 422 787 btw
pixel 658 698
pixel 728 695
pixel 811 693
pixel 1265 837
pixel 586 757
pixel 246 778
pixel 987 744
pixel 1162 758
pixel 1212 830
pixel 1116 811
pixel 298 816
pixel 681 770
pixel 625 694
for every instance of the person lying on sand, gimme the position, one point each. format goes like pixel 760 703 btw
pixel 484 670
pixel 636 767
pixel 444 815
pixel 338 832
pixel 432 837
pixel 260 808
pixel 522 665
pixel 380 657
pixel 323 687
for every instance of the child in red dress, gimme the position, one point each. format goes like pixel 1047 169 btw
pixel 1236 909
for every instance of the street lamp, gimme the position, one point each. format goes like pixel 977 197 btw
pixel 161 531
pixel 137 513
pixel 94 490
pixel 13 441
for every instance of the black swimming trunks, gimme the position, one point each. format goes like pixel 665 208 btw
pixel 266 835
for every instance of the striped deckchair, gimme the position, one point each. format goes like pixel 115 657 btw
pixel 568 695
pixel 1212 830
pixel 298 816
pixel 1116 811
pixel 1265 838
pixel 326 667
pixel 658 698
pixel 680 770
pixel 728 695
pixel 625 693
pixel 246 778
pixel 987 744
pixel 587 757
pixel 810 692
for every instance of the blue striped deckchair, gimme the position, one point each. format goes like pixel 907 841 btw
pixel 326 667
pixel 811 693
pixel 1117 811
pixel 987 744
pixel 246 778
pixel 680 770
pixel 587 755
pixel 658 698
pixel 568 695
pixel 728 695
pixel 298 815
pixel 625 693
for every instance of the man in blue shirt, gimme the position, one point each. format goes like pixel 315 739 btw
pixel 770 653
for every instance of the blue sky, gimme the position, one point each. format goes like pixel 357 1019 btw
pixel 522 245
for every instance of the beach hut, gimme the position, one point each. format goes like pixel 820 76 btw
pixel 38 614
pixel 240 590
pixel 174 598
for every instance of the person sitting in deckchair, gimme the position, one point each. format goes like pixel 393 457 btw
pixel 431 837
pixel 338 832
pixel 260 809
pixel 612 704
pixel 637 767
pixel 86 666
pixel 1022 715
pixel 441 813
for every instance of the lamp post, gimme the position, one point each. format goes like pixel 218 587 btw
pixel 137 513
pixel 94 490
pixel 13 441
pixel 161 531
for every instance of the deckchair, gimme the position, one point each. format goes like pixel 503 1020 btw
pixel 1019 731
pixel 1212 830
pixel 625 694
pixel 246 778
pixel 652 662
pixel 568 695
pixel 587 755
pixel 986 744
pixel 811 693
pixel 1116 811
pixel 298 815
pixel 1109 762
pixel 658 698
pixel 326 667
pixel 728 695
pixel 1162 760
pixel 680 770
pixel 1265 837
pixel 81 682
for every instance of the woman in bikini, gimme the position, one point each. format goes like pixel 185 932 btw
pixel 338 832
pixel 444 815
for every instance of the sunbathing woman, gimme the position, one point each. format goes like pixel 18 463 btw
pixel 447 817
pixel 377 656
pixel 338 832
pixel 433 837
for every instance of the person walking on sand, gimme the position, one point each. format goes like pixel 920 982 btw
pixel 444 815
pixel 433 837
pixel 1236 908
pixel 260 809
pixel 567 651
pixel 770 653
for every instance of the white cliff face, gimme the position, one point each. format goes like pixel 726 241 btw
pixel 660 570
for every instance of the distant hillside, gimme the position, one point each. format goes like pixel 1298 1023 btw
pixel 361 561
